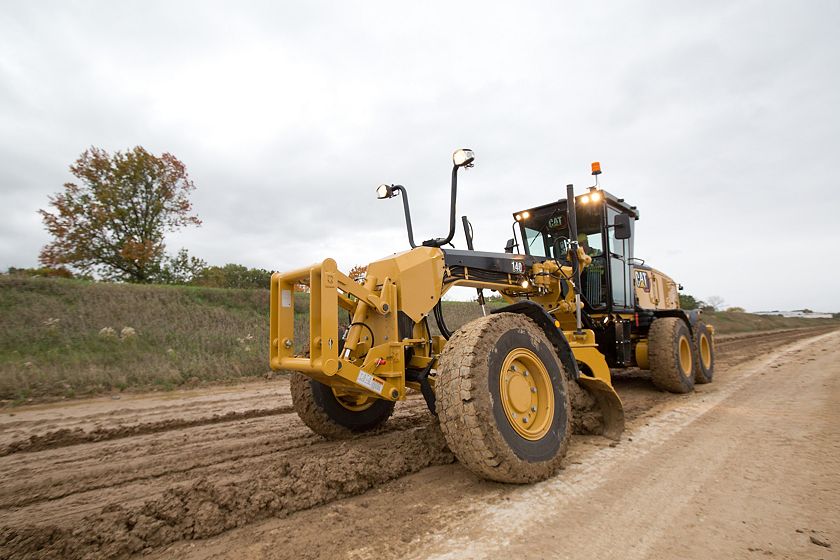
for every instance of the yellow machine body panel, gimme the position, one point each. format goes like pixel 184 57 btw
pixel 655 290
pixel 418 275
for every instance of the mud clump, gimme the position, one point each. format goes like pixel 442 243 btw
pixel 586 415
pixel 209 507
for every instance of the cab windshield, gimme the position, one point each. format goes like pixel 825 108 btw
pixel 546 231
pixel 546 234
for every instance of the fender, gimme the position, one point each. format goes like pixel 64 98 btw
pixel 690 317
pixel 540 316
pixel 608 401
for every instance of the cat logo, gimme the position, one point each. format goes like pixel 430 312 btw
pixel 517 267
pixel 642 280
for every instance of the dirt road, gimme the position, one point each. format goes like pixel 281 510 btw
pixel 748 466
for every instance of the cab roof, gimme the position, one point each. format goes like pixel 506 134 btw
pixel 614 201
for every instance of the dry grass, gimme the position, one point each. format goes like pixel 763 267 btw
pixel 50 341
pixel 72 338
pixel 730 323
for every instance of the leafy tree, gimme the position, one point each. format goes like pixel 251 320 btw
pixel 113 221
pixel 233 276
pixel 358 271
pixel 689 302
pixel 180 269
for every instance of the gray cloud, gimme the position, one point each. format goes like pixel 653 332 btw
pixel 718 120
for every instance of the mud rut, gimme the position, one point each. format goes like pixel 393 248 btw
pixel 111 480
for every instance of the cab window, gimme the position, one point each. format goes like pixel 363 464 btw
pixel 535 242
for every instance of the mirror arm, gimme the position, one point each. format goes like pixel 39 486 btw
pixel 515 241
pixel 438 242
pixel 407 211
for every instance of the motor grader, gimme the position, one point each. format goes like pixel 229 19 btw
pixel 578 304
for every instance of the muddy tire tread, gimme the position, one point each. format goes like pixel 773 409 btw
pixel 315 417
pixel 464 404
pixel 702 376
pixel 665 370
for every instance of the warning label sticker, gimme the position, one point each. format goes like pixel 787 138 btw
pixel 367 380
pixel 286 298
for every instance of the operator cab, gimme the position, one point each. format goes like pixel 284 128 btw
pixel 607 284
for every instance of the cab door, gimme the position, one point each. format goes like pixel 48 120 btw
pixel 621 273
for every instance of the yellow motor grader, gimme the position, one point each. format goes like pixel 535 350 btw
pixel 578 303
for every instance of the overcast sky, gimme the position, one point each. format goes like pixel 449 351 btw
pixel 719 120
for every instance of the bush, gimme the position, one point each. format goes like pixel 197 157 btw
pixel 233 276
pixel 43 272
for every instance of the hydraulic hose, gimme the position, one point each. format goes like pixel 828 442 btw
pixel 441 324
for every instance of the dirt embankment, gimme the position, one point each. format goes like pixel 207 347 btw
pixel 123 479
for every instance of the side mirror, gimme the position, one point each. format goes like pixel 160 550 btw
pixel 622 226
pixel 509 246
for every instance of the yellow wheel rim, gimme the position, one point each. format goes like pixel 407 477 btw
pixel 685 355
pixel 527 394
pixel 705 351
pixel 353 401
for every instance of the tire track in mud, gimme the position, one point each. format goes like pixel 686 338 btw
pixel 66 437
pixel 201 491
pixel 165 464
pixel 768 336
pixel 208 507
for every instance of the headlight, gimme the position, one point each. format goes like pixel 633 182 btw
pixel 463 157
pixel 384 191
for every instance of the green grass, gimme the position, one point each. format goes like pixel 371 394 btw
pixel 51 346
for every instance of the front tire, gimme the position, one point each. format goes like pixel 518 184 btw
pixel 503 399
pixel 671 355
pixel 332 415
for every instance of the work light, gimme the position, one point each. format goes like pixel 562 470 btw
pixel 384 191
pixel 463 157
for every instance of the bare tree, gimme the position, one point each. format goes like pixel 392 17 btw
pixel 716 302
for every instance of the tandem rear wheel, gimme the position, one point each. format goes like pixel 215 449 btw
pixel 671 355
pixel 704 354
pixel 503 400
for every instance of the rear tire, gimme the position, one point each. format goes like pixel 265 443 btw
pixel 704 354
pixel 503 399
pixel 671 355
pixel 333 417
